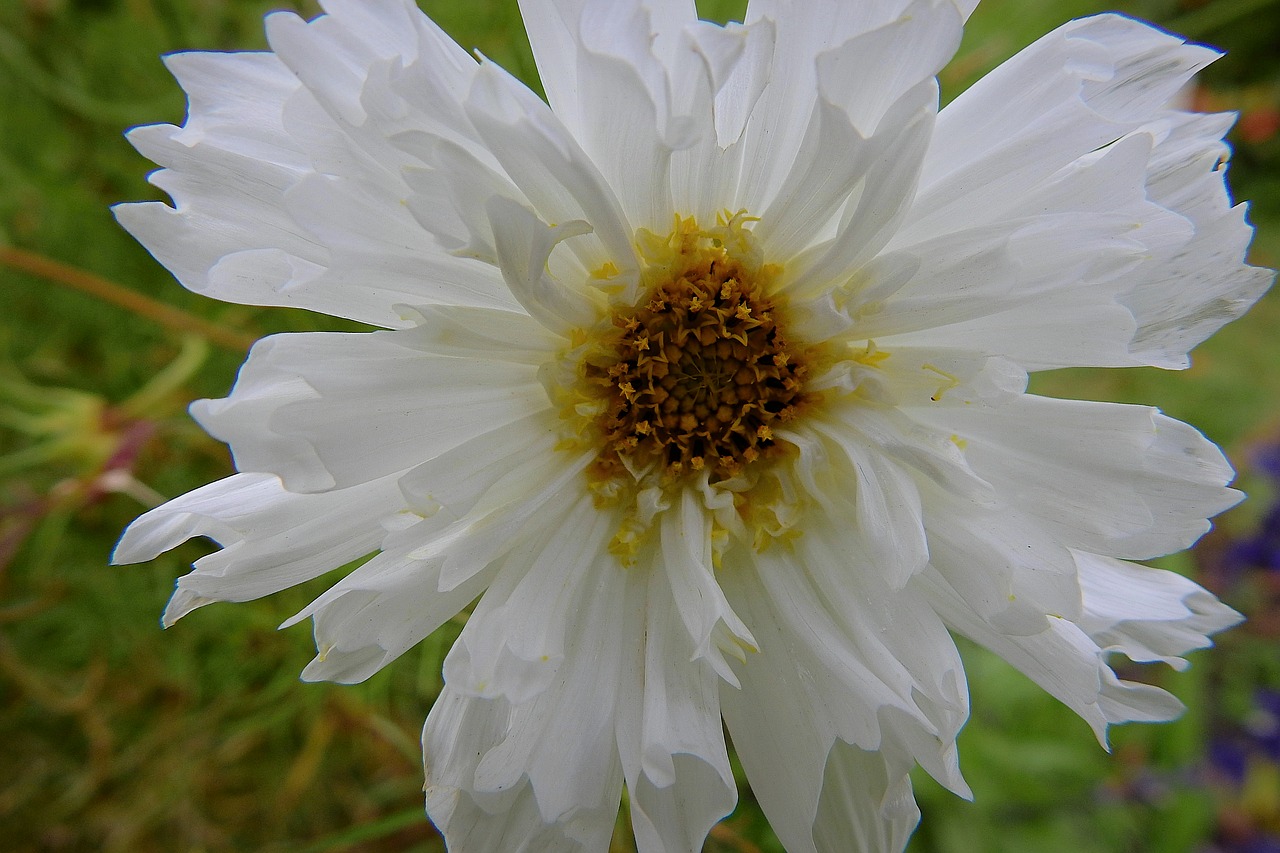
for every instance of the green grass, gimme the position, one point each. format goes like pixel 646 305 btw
pixel 118 737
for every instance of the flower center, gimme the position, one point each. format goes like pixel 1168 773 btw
pixel 697 374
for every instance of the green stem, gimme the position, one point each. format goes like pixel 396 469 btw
pixel 173 376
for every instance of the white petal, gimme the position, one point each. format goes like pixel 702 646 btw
pixel 1147 614
pixel 543 775
pixel 1064 661
pixel 333 54
pixel 564 739
pixel 782 741
pixel 867 804
pixel 450 196
pixel 804 30
pixel 375 244
pixel 886 505
pixel 671 740
pixel 935 378
pixel 447 488
pixel 885 678
pixel 680 816
pixel 882 198
pixel 738 58
pixel 523 244
pixel 931 453
pixel 547 164
pixel 482 333
pixel 478 498
pixel 458 733
pixel 1072 94
pixel 833 158
pixel 625 96
pixel 233 103
pixel 210 171
pixel 271 539
pixel 556 34
pixel 425 88
pixel 552 26
pixel 824 22
pixel 1186 171
pixel 326 409
pixel 685 556
pixel 638 83
pixel 901 641
pixel 870 73
pixel 1182 297
pixel 514 642
pixel 1050 267
pixel 1119 480
pixel 1075 90
pixel 1005 566
pixel 705 175
pixel 223 203
pixel 1028 294
pixel 870 67
pixel 431 569
pixel 1181 301
pixel 379 612
pixel 233 235
pixel 877 673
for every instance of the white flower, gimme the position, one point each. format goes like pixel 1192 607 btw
pixel 708 380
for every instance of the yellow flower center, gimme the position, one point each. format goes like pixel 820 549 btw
pixel 698 373
pixel 701 375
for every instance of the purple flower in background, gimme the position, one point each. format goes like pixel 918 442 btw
pixel 1262 549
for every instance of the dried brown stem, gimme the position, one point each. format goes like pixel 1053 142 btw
pixel 108 291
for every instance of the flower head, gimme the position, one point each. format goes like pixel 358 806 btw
pixel 706 383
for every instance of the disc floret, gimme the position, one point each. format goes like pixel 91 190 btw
pixel 697 374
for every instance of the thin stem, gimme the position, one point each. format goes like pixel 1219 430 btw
pixel 108 291
pixel 143 402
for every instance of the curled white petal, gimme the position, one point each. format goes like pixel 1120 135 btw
pixel 271 538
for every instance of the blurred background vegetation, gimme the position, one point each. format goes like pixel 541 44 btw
pixel 116 738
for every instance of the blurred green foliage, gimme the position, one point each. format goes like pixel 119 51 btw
pixel 119 739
